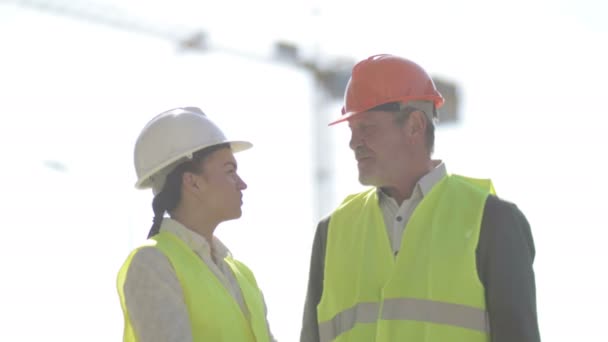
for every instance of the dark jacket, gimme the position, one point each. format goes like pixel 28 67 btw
pixel 505 254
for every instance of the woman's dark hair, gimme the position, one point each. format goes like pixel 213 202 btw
pixel 170 195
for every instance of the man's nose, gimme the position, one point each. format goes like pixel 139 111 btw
pixel 355 141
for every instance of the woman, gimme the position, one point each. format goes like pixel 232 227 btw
pixel 183 284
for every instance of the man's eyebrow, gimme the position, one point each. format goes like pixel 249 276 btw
pixel 360 122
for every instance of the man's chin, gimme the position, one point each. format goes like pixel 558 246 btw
pixel 365 180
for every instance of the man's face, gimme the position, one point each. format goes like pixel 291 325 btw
pixel 223 186
pixel 380 146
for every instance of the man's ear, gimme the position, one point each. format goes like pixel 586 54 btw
pixel 416 124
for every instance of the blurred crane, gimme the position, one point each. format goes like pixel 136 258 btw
pixel 330 75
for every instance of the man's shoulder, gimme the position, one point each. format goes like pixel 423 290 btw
pixel 323 224
pixel 497 206
pixel 353 199
pixel 357 198
pixel 502 219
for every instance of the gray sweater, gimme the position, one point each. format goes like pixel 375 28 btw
pixel 505 255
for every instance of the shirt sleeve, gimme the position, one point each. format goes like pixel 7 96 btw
pixel 154 299
pixel 310 326
pixel 505 257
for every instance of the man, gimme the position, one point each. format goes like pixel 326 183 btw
pixel 422 255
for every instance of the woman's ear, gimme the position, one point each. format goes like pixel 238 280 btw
pixel 192 182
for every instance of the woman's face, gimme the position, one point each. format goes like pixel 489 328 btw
pixel 223 188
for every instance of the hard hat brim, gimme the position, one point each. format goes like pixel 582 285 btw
pixel 235 145
pixel 344 117
pixel 438 101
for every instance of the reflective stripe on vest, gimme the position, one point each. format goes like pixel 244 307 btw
pixel 406 309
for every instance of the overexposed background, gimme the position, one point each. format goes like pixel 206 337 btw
pixel 79 79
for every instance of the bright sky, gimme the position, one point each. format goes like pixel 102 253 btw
pixel 533 82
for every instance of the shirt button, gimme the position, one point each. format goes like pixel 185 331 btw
pixel 399 218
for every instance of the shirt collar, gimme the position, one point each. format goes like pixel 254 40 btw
pixel 427 182
pixel 193 240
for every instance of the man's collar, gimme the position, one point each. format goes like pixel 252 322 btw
pixel 428 181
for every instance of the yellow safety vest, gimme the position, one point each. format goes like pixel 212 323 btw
pixel 429 292
pixel 214 314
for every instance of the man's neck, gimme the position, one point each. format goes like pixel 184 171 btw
pixel 404 187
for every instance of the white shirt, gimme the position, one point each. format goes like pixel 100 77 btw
pixel 397 216
pixel 153 294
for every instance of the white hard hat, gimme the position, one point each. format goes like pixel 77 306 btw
pixel 171 138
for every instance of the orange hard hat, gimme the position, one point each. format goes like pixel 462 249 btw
pixel 382 79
